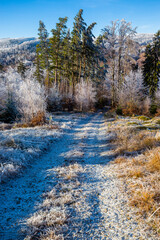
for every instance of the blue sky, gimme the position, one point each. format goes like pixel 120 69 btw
pixel 20 18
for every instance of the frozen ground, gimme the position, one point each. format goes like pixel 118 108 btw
pixel 18 147
pixel 71 192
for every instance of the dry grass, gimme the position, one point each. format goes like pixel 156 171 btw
pixel 140 174
pixel 143 200
pixel 136 173
pixel 142 178
pixel 154 160
pixel 50 221
pixel 38 120
pixel 132 140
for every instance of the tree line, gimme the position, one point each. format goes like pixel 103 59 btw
pixel 76 70
pixel 69 56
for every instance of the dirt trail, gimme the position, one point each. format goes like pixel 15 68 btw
pixel 100 211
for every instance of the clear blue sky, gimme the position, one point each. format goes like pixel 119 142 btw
pixel 20 18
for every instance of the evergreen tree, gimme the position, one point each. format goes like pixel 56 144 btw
pixel 88 52
pixel 151 66
pixel 39 71
pixel 67 57
pixel 56 51
pixel 21 69
pixel 67 64
pixel 43 53
pixel 76 46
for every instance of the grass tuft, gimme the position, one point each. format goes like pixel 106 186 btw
pixel 140 171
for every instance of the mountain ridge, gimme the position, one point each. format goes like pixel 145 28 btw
pixel 13 50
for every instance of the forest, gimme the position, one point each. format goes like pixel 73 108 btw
pixel 74 70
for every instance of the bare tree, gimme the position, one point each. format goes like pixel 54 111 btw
pixel 120 49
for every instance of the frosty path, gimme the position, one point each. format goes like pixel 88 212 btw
pixel 76 168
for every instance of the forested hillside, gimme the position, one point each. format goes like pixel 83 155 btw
pixel 14 50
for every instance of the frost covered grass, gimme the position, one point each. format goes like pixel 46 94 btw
pixel 18 147
pixel 53 215
pixel 138 166
pixel 78 196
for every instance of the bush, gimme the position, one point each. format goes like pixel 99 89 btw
pixel 11 112
pixel 23 97
pixel 153 109
pixel 130 94
pixel 85 95
pixel 38 119
pixel 130 110
pixel 119 110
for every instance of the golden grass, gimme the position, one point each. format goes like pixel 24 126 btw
pixel 140 174
pixel 131 141
pixel 120 160
pixel 154 160
pixel 137 173
pixel 143 200
pixel 38 120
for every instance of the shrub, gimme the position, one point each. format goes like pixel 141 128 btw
pixel 85 95
pixel 119 110
pixel 38 119
pixel 28 97
pixel 130 109
pixel 130 94
pixel 157 113
pixel 146 106
pixel 153 109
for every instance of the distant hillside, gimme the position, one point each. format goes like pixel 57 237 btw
pixel 18 49
pixel 23 49
pixel 143 38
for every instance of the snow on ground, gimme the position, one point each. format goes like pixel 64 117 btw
pixel 19 146
pixel 71 192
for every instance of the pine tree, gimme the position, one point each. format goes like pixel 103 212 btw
pixel 67 64
pixel 1 68
pixel 88 52
pixel 39 71
pixel 56 43
pixel 42 51
pixel 21 69
pixel 151 66
pixel 76 46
